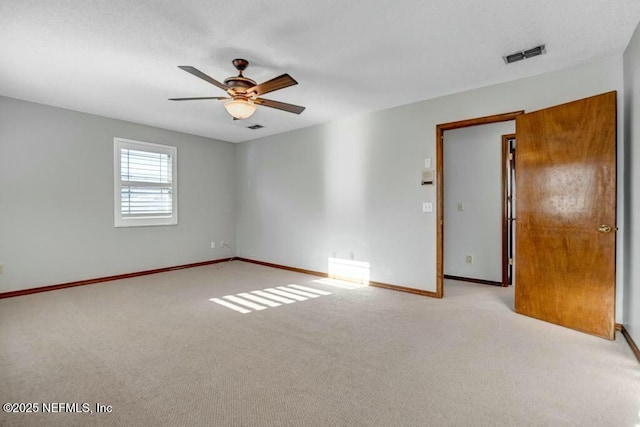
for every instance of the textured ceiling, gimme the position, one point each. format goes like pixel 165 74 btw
pixel 119 58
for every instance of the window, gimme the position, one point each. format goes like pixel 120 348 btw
pixel 145 183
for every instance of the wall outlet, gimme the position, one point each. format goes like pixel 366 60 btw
pixel 469 259
pixel 213 244
pixel 427 207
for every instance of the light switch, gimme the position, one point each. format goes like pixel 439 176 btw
pixel 460 206
pixel 427 207
pixel 427 163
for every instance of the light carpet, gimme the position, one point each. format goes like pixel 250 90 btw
pixel 159 351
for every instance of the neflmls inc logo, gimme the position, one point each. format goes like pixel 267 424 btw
pixel 66 407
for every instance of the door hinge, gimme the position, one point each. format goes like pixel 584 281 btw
pixel 510 157
pixel 510 261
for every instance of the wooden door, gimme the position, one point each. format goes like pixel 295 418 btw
pixel 566 214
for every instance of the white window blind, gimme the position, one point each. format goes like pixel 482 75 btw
pixel 145 183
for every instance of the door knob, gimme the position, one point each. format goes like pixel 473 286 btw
pixel 604 228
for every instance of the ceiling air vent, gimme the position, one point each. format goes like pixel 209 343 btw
pixel 524 54
pixel 247 124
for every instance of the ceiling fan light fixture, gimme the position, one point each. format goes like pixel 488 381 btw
pixel 240 108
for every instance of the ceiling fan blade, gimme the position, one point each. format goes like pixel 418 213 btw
pixel 297 109
pixel 279 82
pixel 203 76
pixel 198 98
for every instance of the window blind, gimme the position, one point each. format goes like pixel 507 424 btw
pixel 146 183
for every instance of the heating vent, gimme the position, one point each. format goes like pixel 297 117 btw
pixel 524 54
pixel 254 127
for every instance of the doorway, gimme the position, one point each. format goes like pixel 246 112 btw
pixel 440 130
pixel 474 203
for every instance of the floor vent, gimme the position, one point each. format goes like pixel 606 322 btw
pixel 524 54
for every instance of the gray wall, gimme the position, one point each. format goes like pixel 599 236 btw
pixel 56 198
pixel 632 186
pixel 353 186
pixel 473 177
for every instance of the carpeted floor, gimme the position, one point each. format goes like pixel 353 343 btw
pixel 164 350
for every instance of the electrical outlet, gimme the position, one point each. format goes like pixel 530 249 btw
pixel 469 259
pixel 213 244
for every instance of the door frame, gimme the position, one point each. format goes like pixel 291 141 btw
pixel 507 220
pixel 440 129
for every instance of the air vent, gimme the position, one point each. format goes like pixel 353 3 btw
pixel 247 124
pixel 514 57
pixel 538 50
pixel 524 54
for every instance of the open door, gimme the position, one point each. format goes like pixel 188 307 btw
pixel 566 214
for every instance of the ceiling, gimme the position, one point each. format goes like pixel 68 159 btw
pixel 119 58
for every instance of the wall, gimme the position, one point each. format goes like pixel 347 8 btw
pixel 632 186
pixel 353 185
pixel 56 198
pixel 473 177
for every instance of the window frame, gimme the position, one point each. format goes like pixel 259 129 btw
pixel 142 221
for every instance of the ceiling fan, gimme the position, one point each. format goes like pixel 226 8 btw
pixel 244 93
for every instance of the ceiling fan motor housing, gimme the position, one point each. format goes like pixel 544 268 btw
pixel 239 82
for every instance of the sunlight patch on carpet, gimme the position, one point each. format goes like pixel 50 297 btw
pixel 229 305
pixel 247 302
